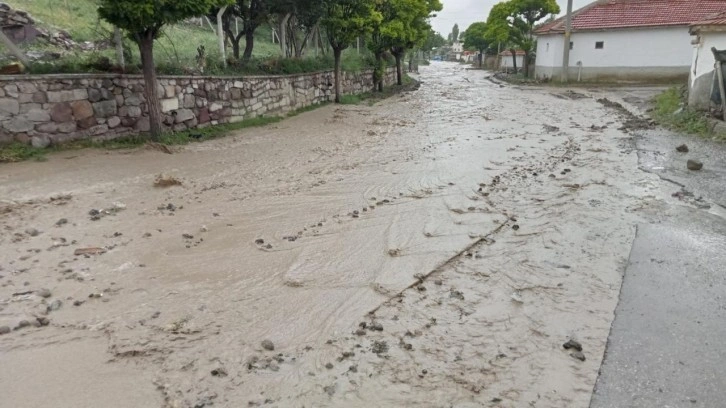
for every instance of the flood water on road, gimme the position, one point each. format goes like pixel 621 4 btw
pixel 434 249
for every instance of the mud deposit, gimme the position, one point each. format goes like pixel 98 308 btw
pixel 435 249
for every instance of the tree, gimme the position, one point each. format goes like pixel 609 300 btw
pixel 344 21
pixel 408 26
pixel 498 30
pixel 512 24
pixel 475 38
pixel 524 15
pixel 253 13
pixel 143 20
pixel 455 33
pixel 433 40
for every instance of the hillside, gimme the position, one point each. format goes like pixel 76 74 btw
pixel 175 51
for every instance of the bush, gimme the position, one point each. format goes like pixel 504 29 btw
pixel 670 110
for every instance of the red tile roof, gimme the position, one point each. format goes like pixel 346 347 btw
pixel 615 14
pixel 509 53
pixel 714 19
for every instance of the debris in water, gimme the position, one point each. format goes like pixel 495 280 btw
pixel 572 344
pixel 166 181
pixel 694 165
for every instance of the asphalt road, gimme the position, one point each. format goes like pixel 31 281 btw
pixel 666 344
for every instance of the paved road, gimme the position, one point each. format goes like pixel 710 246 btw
pixel 666 344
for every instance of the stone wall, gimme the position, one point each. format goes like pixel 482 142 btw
pixel 53 109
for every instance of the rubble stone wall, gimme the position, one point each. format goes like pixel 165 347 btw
pixel 52 109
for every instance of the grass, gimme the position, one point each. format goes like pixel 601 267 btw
pixel 175 51
pixel 670 110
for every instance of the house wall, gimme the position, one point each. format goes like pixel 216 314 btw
pixel 507 63
pixel 627 55
pixel 702 68
pixel 52 109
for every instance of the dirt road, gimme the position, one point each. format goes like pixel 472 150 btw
pixel 435 249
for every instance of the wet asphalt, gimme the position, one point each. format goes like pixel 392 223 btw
pixel 666 346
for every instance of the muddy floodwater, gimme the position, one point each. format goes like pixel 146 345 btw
pixel 435 249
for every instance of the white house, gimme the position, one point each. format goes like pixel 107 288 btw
pixel 506 62
pixel 708 33
pixel 624 40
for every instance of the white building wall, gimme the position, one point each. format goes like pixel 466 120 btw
pixel 508 63
pixel 702 68
pixel 664 51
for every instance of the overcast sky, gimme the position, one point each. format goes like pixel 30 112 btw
pixel 465 12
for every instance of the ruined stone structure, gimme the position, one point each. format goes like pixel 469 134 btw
pixel 53 109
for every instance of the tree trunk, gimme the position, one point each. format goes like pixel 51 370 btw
pixel 220 35
pixel 249 43
pixel 481 58
pixel 514 58
pixel 282 35
pixel 337 52
pixel 526 64
pixel 146 49
pixel 399 68
pixel 235 49
pixel 378 72
pixel 119 48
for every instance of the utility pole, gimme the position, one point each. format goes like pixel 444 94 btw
pixel 565 75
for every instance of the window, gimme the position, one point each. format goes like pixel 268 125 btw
pixel 599 45
pixel 572 45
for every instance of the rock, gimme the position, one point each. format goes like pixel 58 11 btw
pixel 168 105
pixel 18 125
pixel 55 305
pixel 40 97
pixel 694 165
pixel 113 122
pixel 94 95
pixel 32 232
pixel 572 344
pixel 329 389
pixel 22 324
pixel 182 115
pixel 40 142
pixel 4 330
pixel 268 345
pixel 43 321
pixel 360 332
pixel 515 227
pixel 44 293
pixel 329 366
pixel 9 106
pixel 105 109
pixel 376 326
pixel 682 148
pixel 62 221
pixel 61 112
pixel 82 109
pixel 578 355
pixel 438 282
pixel 143 125
pixel 219 372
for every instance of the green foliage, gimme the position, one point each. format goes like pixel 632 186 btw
pixel 670 111
pixel 433 40
pixel 346 20
pixel 475 37
pixel 455 33
pixel 142 18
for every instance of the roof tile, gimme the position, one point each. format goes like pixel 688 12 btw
pixel 614 14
